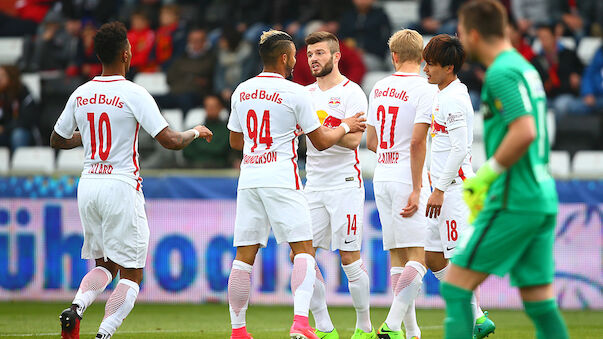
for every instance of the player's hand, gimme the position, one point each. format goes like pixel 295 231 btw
pixel 475 189
pixel 434 204
pixel 412 205
pixel 204 132
pixel 356 122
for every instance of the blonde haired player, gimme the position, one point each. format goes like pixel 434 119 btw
pixel 396 103
pixel 109 111
pixel 334 186
pixel 266 112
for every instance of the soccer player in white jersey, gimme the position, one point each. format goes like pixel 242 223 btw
pixel 396 103
pixel 452 136
pixel 334 186
pixel 267 111
pixel 109 111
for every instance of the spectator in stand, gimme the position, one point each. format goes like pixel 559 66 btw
pixel 52 49
pixel 142 39
pixel 17 110
pixel 520 42
pixel 367 28
pixel 190 77
pixel 217 153
pixel 98 11
pixel 560 70
pixel 351 64
pixel 591 88
pixel 90 65
pixel 530 13
pixel 171 36
pixel 234 64
pixel 438 17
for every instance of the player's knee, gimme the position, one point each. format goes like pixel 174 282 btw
pixel 435 261
pixel 536 293
pixel 349 257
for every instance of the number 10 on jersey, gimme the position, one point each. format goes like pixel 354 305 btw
pixel 104 136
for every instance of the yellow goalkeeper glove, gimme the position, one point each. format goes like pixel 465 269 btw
pixel 475 189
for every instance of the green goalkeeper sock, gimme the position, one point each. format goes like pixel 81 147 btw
pixel 547 319
pixel 459 314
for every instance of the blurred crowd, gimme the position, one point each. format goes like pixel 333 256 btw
pixel 206 48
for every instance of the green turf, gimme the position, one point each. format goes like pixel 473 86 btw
pixel 40 320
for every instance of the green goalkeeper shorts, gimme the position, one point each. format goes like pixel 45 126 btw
pixel 502 241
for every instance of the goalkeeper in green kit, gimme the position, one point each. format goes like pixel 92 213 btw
pixel 512 198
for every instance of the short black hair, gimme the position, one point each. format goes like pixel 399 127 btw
pixel 445 50
pixel 274 44
pixel 547 26
pixel 109 41
pixel 488 17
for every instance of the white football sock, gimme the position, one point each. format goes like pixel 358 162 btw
pixel 441 273
pixel 302 283
pixel 477 311
pixel 239 285
pixel 394 275
pixel 318 304
pixel 359 286
pixel 406 291
pixel 118 306
pixel 92 285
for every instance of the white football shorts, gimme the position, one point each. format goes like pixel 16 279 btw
pixel 443 232
pixel 337 218
pixel 114 221
pixel 258 209
pixel 398 232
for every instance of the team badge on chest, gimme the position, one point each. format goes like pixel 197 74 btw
pixel 334 102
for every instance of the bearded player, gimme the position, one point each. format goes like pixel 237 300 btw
pixel 266 112
pixel 334 186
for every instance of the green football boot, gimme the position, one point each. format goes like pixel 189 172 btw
pixel 327 335
pixel 483 327
pixel 385 333
pixel 360 334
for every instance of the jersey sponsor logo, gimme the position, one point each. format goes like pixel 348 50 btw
pixel 100 169
pixel 392 93
pixel 334 102
pixel 388 158
pixel 437 128
pixel 261 95
pixel 99 99
pixel 265 158
pixel 454 117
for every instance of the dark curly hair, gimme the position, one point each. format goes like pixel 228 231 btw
pixel 109 40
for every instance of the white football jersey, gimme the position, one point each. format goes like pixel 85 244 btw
pixel 335 167
pixel 451 109
pixel 108 111
pixel 396 103
pixel 268 110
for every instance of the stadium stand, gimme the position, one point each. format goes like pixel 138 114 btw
pixel 588 164
pixel 33 160
pixel 371 78
pixel 368 161
pixel 174 118
pixel 587 48
pixel 195 116
pixel 155 83
pixel 70 160
pixel 34 84
pixel 401 13
pixel 4 160
pixel 559 164
pixel 10 49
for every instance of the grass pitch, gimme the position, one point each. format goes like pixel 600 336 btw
pixel 40 320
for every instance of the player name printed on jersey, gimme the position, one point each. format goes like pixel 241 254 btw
pixel 336 167
pixel 396 103
pixel 100 99
pixel 268 110
pixel 109 111
pixel 265 158
pixel 262 95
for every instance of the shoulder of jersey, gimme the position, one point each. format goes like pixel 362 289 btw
pixel 354 87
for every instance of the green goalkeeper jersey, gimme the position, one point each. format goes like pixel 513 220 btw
pixel 512 88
